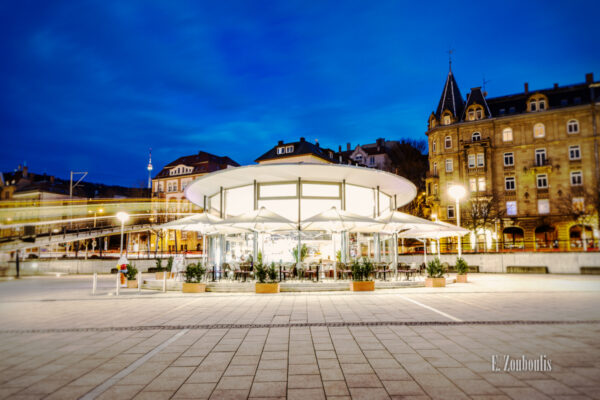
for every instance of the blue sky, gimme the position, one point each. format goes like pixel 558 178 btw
pixel 91 85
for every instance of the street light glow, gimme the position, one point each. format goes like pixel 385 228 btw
pixel 457 191
pixel 122 216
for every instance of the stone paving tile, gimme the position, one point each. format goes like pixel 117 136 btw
pixel 303 394
pixel 268 389
pixel 194 391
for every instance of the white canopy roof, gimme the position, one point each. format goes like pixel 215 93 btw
pixel 388 183
pixel 334 220
pixel 436 230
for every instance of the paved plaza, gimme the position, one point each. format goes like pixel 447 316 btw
pixel 60 342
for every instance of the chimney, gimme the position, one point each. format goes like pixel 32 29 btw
pixel 526 87
pixel 589 78
pixel 302 139
pixel 280 143
pixel 317 142
pixel 19 167
pixel 348 146
pixel 25 170
pixel 52 179
pixel 556 86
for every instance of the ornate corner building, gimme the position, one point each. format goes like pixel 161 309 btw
pixel 529 162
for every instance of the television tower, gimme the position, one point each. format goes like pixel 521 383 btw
pixel 150 169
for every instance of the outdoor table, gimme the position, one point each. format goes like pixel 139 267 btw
pixel 408 272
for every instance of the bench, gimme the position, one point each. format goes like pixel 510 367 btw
pixel 589 270
pixel 522 269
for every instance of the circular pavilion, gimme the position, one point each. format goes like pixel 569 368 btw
pixel 298 192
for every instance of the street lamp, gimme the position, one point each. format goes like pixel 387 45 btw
pixel 122 216
pixel 457 192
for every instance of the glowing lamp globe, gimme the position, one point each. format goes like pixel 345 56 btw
pixel 457 191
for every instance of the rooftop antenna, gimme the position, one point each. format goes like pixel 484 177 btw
pixel 484 83
pixel 150 169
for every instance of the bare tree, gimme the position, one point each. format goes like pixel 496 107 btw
pixel 581 208
pixel 480 213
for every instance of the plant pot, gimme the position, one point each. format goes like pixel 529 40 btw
pixel 267 287
pixel 193 287
pixel 362 286
pixel 132 284
pixel 159 276
pixel 461 278
pixel 435 282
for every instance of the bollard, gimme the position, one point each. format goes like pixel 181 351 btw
pixel 140 280
pixel 279 272
pixel 165 282
pixel 118 283
pixel 94 283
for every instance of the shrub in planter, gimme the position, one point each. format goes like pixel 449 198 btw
pixel 435 274
pixel 261 272
pixel 461 269
pixel 160 270
pixel 361 276
pixel 193 276
pixel 131 276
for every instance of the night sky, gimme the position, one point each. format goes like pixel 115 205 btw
pixel 91 85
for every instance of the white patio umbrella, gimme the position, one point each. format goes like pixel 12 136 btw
pixel 336 221
pixel 436 230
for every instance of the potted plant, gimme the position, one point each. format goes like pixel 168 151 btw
pixel 435 274
pixel 193 276
pixel 461 269
pixel 160 270
pixel 303 253
pixel 130 277
pixel 361 276
pixel 262 286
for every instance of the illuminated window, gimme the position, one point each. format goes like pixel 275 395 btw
pixel 543 206
pixel 479 112
pixel 539 131
pixel 578 204
pixel 509 183
pixel 448 142
pixel 471 160
pixel 507 135
pixel 447 120
pixel 471 115
pixel 476 137
pixel 481 184
pixel 473 184
pixel 435 171
pixel 542 181
pixel 449 165
pixel 509 159
pixel 573 126
pixel 576 178
pixel 574 152
pixel 511 208
pixel 434 146
pixel 435 188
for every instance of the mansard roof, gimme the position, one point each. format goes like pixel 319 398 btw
pixel 477 97
pixel 451 98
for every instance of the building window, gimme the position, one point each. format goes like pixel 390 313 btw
pixel 449 165
pixel 471 160
pixel 509 159
pixel 480 160
pixel 281 150
pixel 509 183
pixel 540 157
pixel 434 146
pixel 448 142
pixel 289 149
pixel 511 208
pixel 542 105
pixel 512 110
pixel 371 160
pixel 450 212
pixel 502 111
pixel 358 158
pixel 542 181
pixel 481 184
pixel 471 115
pixel 476 137
pixel 435 188
pixel 479 113
pixel 578 204
pixel 447 120
pixel 507 135
pixel 574 152
pixel 533 105
pixel 435 171
pixel 577 100
pixel 576 178
pixel 473 184
pixel 539 131
pixel 573 126
pixel 543 206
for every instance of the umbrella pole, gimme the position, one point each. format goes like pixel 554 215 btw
pixel 438 248
pixel 425 251
pixel 396 255
pixel 334 258
pixel 204 256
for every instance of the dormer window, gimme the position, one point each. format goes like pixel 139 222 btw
pixel 537 102
pixel 533 105
pixel 542 105
pixel 289 149
pixel 475 112
pixel 476 137
pixel 281 150
pixel 447 120
pixel 479 113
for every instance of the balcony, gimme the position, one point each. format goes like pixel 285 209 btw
pixel 430 174
pixel 542 193
pixel 542 162
pixel 541 165
pixel 510 195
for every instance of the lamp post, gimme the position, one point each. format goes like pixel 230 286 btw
pixel 457 192
pixel 122 216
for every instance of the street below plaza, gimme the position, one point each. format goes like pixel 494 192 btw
pixel 58 341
